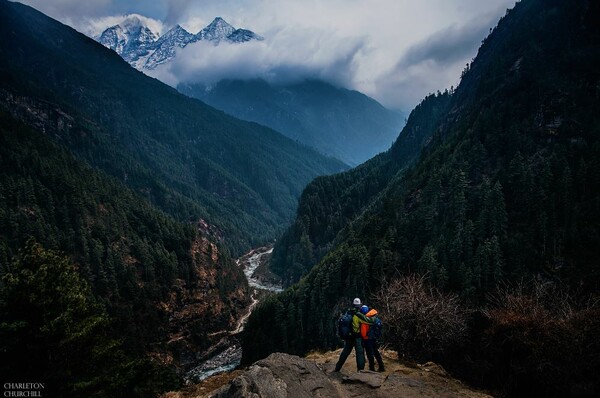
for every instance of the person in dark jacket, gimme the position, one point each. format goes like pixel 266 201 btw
pixel 369 339
pixel 355 341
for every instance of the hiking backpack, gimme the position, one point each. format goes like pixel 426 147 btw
pixel 345 330
pixel 375 329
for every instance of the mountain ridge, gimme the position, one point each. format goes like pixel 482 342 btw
pixel 140 264
pixel 338 122
pixel 144 50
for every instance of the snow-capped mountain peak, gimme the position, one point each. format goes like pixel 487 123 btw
pixel 177 36
pixel 131 39
pixel 165 46
pixel 132 22
pixel 217 30
pixel 143 49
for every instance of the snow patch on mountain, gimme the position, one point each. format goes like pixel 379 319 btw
pixel 133 40
pixel 165 46
pixel 216 31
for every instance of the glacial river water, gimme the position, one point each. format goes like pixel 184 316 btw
pixel 228 352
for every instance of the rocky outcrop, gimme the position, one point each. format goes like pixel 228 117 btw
pixel 202 306
pixel 280 375
pixel 283 375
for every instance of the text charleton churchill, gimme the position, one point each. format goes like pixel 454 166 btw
pixel 23 389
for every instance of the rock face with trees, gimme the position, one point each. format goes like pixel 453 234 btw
pixel 504 193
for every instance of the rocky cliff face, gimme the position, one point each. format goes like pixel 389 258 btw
pixel 204 307
pixel 283 375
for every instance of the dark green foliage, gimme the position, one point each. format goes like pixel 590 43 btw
pixel 507 186
pixel 342 123
pixel 328 205
pixel 311 306
pixel 53 331
pixel 128 252
pixel 145 189
pixel 187 158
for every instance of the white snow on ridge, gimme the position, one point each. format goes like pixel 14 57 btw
pixel 136 43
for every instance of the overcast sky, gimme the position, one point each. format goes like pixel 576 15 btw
pixel 396 51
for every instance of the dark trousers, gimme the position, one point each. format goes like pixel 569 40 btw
pixel 372 350
pixel 349 344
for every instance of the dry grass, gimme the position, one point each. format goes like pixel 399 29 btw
pixel 205 387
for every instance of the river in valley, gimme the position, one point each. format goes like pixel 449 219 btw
pixel 227 353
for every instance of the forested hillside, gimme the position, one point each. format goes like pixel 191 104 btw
pixel 507 189
pixel 122 203
pixel 342 123
pixel 328 204
pixel 141 266
pixel 189 159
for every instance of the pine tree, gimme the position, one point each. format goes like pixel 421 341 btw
pixel 49 311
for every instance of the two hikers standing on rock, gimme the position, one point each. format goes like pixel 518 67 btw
pixel 353 328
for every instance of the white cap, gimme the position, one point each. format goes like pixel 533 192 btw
pixel 356 302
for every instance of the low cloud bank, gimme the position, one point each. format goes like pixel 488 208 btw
pixel 284 56
pixel 396 51
pixel 397 78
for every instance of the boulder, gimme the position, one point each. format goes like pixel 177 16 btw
pixel 370 378
pixel 278 376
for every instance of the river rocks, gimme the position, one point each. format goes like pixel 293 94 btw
pixel 225 360
pixel 255 264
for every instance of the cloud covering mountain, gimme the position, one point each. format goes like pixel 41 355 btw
pixel 277 59
pixel 396 51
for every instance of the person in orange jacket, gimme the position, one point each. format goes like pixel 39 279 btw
pixel 370 334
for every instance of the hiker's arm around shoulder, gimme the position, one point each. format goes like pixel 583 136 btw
pixel 364 319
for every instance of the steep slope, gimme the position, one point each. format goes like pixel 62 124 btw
pixel 164 48
pixel 183 156
pixel 329 204
pixel 341 123
pixel 149 272
pixel 507 188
